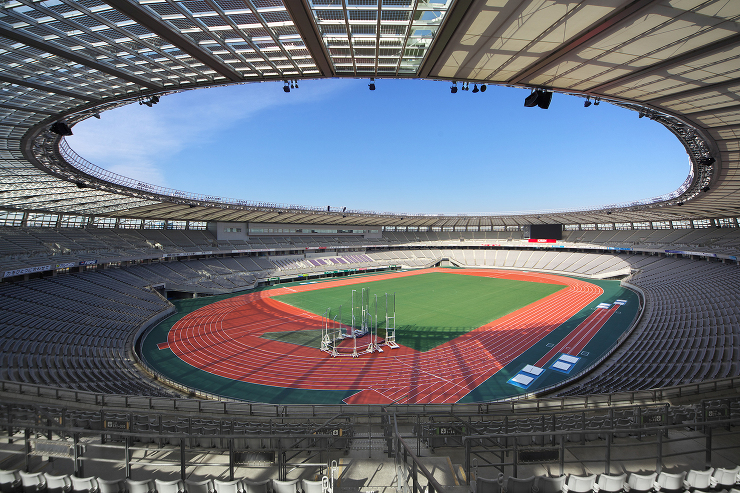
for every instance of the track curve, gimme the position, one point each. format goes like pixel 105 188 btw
pixel 224 339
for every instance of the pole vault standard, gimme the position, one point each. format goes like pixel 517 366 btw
pixel 329 334
pixel 390 323
pixel 334 331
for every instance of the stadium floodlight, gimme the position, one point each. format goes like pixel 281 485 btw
pixel 296 84
pixel 597 101
pixel 61 128
pixel 482 88
pixel 372 84
pixel 705 189
pixel 706 161
pixel 453 87
pixel 154 99
pixel 96 115
pixel 642 113
pixel 475 88
pixel 587 103
pixel 286 86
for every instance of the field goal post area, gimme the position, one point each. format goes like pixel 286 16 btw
pixel 363 327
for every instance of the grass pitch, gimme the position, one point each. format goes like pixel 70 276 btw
pixel 431 309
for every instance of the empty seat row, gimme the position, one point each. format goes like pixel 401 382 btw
pixel 23 482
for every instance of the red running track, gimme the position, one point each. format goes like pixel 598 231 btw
pixel 574 342
pixel 224 339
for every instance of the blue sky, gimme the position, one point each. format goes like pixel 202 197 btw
pixel 409 146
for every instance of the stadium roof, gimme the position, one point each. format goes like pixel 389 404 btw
pixel 675 61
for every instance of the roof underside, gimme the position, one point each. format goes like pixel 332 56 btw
pixel 677 59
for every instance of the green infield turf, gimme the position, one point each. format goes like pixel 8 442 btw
pixel 431 309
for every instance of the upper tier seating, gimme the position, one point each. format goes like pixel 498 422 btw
pixel 71 331
pixel 690 330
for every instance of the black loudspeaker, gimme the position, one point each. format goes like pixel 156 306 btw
pixel 538 98
pixel 531 100
pixel 543 101
pixel 61 128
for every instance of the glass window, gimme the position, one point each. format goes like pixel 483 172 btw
pixel 127 223
pixel 588 227
pixel 104 222
pixel 485 228
pixel 726 222
pixel 571 227
pixel 661 225
pixel 605 227
pixel 622 226
pixel 641 225
pixel 176 224
pixel 702 223
pixel 683 224
pixel 73 221
pixel 153 224
pixel 11 218
pixel 197 225
pixel 37 220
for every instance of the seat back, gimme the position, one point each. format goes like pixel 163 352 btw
pixel 581 484
pixel 285 486
pixel 546 484
pixel 256 486
pixel 32 481
pixel 516 485
pixel 312 486
pixel 611 484
pixel 726 477
pixel 641 482
pixel 10 481
pixel 699 480
pixel 485 485
pixel 58 484
pixel 110 485
pixel 198 486
pixel 670 482
pixel 168 486
pixel 139 486
pixel 84 485
pixel 226 486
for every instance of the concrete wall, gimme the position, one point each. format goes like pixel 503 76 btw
pixel 219 228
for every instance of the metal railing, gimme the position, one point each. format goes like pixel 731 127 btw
pixel 15 391
pixel 504 453
pixel 409 468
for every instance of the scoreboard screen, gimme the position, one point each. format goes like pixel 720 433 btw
pixel 546 231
